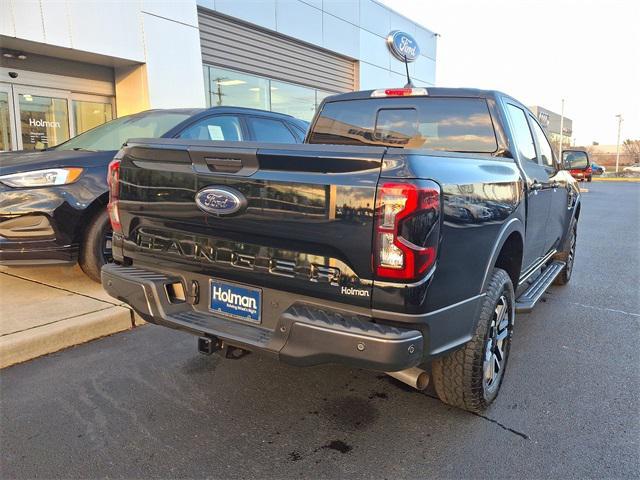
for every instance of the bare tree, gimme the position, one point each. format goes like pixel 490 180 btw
pixel 632 148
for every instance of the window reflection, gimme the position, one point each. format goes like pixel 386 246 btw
pixel 293 100
pixel 237 89
pixel 88 115
pixel 451 124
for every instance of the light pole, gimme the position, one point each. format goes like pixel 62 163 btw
pixel 619 117
pixel 561 129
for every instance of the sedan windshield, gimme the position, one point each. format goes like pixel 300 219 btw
pixel 112 135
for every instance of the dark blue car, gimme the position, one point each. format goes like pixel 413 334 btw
pixel 53 202
pixel 597 169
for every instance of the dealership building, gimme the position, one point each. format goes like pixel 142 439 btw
pixel 552 122
pixel 68 66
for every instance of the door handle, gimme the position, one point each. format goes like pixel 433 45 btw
pixel 225 165
pixel 555 184
pixel 536 185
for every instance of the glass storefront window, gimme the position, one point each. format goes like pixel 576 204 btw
pixel 294 100
pixel 226 87
pixel 44 121
pixel 5 123
pixel 88 115
pixel 237 89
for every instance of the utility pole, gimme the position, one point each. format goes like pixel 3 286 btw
pixel 561 129
pixel 619 117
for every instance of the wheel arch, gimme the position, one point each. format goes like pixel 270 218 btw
pixel 87 215
pixel 507 252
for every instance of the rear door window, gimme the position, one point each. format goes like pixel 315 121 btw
pixel 221 127
pixel 438 123
pixel 270 130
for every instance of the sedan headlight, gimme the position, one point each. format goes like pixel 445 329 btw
pixel 42 178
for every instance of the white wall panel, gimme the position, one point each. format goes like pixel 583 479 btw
pixel 397 80
pixel 340 36
pixel 258 12
pixel 348 10
pixel 183 11
pixel 28 20
pixel 372 77
pixel 314 3
pixel 425 70
pixel 398 22
pixel 55 19
pixel 7 25
pixel 174 64
pixel 374 17
pixel 299 20
pixel 109 28
pixel 373 49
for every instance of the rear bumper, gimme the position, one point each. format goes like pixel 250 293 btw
pixel 303 334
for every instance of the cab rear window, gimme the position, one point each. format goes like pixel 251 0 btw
pixel 450 124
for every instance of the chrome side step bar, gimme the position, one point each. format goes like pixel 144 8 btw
pixel 529 298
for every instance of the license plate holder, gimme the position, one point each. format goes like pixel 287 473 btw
pixel 236 301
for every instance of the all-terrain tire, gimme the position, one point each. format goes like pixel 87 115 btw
pixel 568 256
pixel 93 254
pixel 459 377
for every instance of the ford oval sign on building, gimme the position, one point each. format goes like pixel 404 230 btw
pixel 403 45
pixel 220 200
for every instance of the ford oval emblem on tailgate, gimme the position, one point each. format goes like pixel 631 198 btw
pixel 220 200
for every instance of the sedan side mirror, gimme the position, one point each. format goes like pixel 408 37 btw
pixel 575 160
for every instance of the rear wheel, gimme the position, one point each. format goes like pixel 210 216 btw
pixel 95 250
pixel 470 378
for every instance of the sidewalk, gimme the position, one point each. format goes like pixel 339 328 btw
pixel 46 309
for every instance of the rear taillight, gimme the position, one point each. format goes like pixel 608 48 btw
pixel 113 180
pixel 407 229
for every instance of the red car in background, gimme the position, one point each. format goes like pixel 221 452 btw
pixel 582 174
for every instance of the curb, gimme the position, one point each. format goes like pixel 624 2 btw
pixel 35 342
pixel 629 179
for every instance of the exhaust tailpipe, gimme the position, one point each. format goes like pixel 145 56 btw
pixel 414 377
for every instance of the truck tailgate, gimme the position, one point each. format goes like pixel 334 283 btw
pixel 305 222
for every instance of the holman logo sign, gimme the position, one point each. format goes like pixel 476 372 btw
pixel 403 45
pixel 43 123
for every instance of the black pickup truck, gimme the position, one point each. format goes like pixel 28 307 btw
pixel 402 236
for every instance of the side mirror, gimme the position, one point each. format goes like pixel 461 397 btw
pixel 575 160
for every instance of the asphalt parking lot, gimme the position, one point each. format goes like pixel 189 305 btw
pixel 145 404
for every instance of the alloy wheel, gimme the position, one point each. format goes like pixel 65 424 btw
pixel 496 348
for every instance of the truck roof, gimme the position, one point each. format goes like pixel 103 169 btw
pixel 432 91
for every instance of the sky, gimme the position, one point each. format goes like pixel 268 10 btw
pixel 585 51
